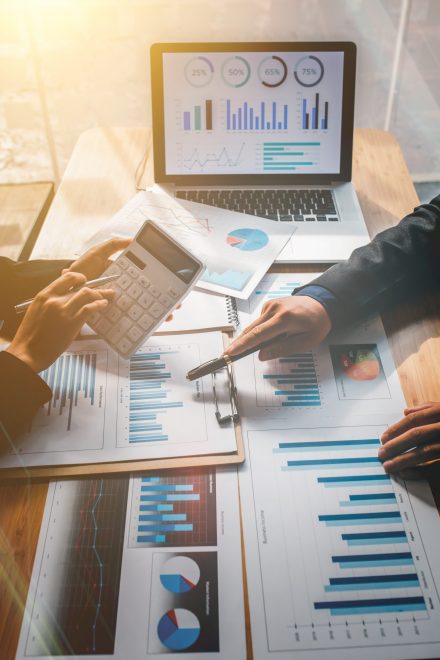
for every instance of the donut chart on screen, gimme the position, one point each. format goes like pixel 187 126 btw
pixel 178 629
pixel 180 574
pixel 247 240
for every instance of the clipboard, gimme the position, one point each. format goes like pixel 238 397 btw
pixel 144 465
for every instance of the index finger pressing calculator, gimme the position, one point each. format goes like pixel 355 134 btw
pixel 155 274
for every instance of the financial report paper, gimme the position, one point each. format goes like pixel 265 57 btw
pixel 237 249
pixel 341 558
pixel 141 567
pixel 104 408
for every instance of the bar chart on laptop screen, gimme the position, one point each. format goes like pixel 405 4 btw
pixel 252 112
pixel 338 546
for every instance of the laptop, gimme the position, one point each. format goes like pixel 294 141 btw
pixel 264 129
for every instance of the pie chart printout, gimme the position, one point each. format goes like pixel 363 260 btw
pixel 178 629
pixel 180 574
pixel 247 240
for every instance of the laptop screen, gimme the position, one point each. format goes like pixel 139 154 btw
pixel 243 112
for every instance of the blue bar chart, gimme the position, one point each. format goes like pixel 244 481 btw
pixel 290 382
pixel 153 402
pixel 178 510
pixel 345 535
pixel 316 118
pixel 192 119
pixel 72 379
pixel 264 116
pixel 149 396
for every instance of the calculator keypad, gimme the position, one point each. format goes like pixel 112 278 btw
pixel 135 308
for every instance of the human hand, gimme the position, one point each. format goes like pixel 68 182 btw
pixel 304 319
pixel 54 319
pixel 414 440
pixel 94 262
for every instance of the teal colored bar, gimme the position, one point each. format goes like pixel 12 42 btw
pixel 367 502
pixel 172 487
pixel 166 528
pixel 378 610
pixel 171 498
pixel 157 538
pixel 297 404
pixel 280 152
pixel 291 144
pixel 296 164
pixel 373 564
pixel 384 541
pixel 166 517
pixel 372 521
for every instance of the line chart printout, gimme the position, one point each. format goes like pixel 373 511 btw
pixel 105 408
pixel 94 594
pixel 237 249
pixel 341 558
pixel 352 370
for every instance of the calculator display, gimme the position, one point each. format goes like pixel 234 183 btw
pixel 168 253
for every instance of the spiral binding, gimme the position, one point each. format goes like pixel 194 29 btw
pixel 232 311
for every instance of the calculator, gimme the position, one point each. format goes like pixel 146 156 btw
pixel 154 273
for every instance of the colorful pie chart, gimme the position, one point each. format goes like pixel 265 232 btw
pixel 247 240
pixel 360 364
pixel 180 574
pixel 178 629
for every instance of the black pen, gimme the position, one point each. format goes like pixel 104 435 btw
pixel 225 360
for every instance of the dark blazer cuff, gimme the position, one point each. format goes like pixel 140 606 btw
pixel 22 392
pixel 324 296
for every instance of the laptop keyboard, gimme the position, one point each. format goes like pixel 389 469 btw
pixel 281 205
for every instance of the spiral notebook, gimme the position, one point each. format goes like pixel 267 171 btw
pixel 203 311
pixel 200 311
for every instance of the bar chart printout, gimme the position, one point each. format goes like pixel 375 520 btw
pixel 291 381
pixel 178 510
pixel 347 569
pixel 158 408
pixel 75 416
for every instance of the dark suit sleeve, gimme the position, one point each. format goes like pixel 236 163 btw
pixel 20 281
pixel 399 263
pixel 22 392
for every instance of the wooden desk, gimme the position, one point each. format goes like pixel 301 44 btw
pixel 99 179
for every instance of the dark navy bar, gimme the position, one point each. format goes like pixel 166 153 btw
pixel 372 557
pixel 374 496
pixel 370 602
pixel 363 477
pixel 374 535
pixel 360 516
pixel 367 579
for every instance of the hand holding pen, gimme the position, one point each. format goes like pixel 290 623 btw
pixel 285 326
pixel 58 312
